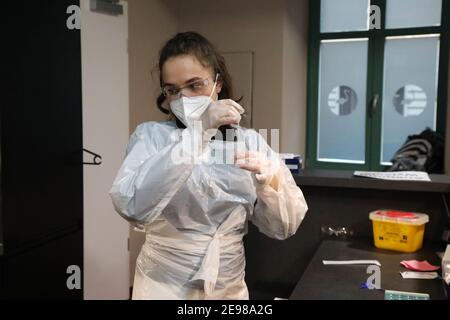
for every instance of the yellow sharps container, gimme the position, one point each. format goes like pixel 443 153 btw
pixel 398 230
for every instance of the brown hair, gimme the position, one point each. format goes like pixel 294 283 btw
pixel 193 43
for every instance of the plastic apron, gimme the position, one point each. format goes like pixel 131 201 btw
pixel 195 213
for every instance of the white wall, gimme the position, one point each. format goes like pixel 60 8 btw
pixel 294 85
pixel 250 25
pixel 152 22
pixel 106 132
pixel 276 32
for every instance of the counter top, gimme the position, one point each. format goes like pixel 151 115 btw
pixel 325 282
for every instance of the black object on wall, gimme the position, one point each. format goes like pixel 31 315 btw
pixel 41 153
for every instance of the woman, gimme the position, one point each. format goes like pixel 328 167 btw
pixel 194 208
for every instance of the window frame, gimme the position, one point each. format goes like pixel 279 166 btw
pixel 375 70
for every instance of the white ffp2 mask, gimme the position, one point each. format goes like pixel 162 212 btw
pixel 190 109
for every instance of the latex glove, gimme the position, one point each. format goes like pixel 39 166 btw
pixel 221 112
pixel 265 169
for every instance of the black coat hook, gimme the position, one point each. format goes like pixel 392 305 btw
pixel 96 161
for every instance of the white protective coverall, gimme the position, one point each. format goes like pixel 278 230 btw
pixel 195 214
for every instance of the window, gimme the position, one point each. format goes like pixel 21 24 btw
pixel 377 73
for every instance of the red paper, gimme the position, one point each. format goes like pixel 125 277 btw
pixel 419 265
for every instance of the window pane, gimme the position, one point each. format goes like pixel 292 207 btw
pixel 344 15
pixel 342 99
pixel 413 13
pixel 410 89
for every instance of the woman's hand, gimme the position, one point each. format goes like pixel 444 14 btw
pixel 264 169
pixel 222 112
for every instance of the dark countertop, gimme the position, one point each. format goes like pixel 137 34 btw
pixel 331 282
pixel 345 179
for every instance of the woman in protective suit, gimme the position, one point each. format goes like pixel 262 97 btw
pixel 179 183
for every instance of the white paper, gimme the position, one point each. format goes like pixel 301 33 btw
pixel 288 155
pixel 396 176
pixel 446 265
pixel 419 275
pixel 351 262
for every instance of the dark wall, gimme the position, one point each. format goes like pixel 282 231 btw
pixel 41 151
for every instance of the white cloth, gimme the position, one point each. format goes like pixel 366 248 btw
pixel 195 213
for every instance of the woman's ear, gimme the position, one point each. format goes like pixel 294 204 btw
pixel 166 105
pixel 219 86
